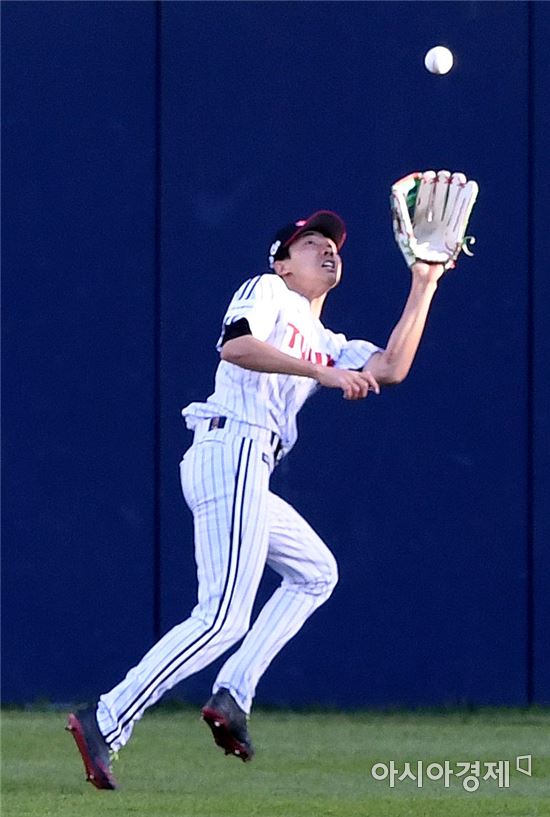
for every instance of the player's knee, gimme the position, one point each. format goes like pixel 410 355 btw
pixel 234 625
pixel 329 576
pixel 228 631
pixel 325 578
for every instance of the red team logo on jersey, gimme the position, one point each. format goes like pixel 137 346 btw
pixel 298 343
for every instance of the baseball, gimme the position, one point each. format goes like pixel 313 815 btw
pixel 439 60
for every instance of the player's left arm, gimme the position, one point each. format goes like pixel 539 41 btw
pixel 392 364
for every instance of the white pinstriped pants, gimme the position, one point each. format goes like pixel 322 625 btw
pixel 239 527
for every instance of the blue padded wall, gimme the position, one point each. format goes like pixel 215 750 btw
pixel 150 151
pixel 78 409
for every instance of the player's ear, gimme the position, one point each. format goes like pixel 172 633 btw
pixel 281 267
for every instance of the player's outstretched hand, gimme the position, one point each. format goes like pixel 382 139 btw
pixel 354 385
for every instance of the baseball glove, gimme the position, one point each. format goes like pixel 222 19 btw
pixel 430 215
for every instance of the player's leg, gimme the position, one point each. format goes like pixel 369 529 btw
pixel 309 574
pixel 225 483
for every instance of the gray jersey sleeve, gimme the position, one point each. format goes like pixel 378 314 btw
pixel 349 354
pixel 355 354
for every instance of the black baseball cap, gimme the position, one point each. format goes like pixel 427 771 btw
pixel 324 221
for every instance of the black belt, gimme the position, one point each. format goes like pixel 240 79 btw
pixel 275 441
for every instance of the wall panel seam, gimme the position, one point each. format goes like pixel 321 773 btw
pixel 530 352
pixel 157 304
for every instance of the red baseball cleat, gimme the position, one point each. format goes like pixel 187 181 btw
pixel 92 747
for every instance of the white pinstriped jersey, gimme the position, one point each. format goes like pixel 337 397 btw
pixel 283 318
pixel 240 525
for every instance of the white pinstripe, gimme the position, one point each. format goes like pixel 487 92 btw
pixel 240 526
pixel 237 531
pixel 273 401
pixel 309 573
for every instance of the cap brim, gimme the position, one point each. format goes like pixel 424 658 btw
pixel 325 222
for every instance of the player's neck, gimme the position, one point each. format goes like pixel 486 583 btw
pixel 317 305
pixel 316 299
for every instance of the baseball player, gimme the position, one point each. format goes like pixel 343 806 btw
pixel 275 353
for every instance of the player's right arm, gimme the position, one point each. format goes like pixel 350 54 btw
pixel 248 323
pixel 251 353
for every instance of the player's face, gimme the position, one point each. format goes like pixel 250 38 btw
pixel 314 266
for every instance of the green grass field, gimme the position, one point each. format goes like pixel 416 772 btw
pixel 307 765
